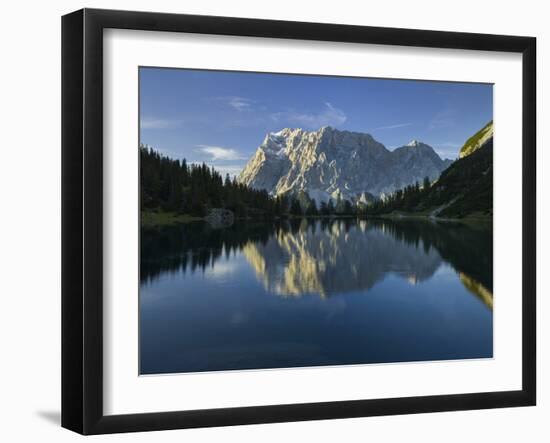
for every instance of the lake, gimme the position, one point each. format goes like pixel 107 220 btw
pixel 310 292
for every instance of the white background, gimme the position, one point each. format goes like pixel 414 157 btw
pixel 30 220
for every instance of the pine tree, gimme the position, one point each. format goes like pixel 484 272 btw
pixel 348 209
pixel 426 184
pixel 312 209
pixel 324 208
pixel 295 207
pixel 330 207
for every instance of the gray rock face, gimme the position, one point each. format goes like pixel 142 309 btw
pixel 329 163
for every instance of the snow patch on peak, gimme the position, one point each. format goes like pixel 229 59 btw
pixel 283 132
pixel 331 163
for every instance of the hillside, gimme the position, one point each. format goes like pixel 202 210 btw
pixel 464 189
pixel 477 140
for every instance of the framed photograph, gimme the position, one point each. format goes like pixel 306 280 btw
pixel 269 221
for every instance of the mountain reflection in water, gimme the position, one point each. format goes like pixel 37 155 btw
pixel 325 257
pixel 311 292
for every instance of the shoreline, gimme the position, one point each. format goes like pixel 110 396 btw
pixel 153 219
pixel 469 219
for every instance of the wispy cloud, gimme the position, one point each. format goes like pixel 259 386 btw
pixel 238 103
pixel 329 116
pixel 220 153
pixel 158 123
pixel 449 145
pixel 398 125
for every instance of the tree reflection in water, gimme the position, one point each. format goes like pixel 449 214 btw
pixel 327 256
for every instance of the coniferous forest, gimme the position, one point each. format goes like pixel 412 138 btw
pixel 171 185
pixel 174 186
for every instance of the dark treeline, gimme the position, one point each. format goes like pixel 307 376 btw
pixel 197 246
pixel 175 186
pixel 410 198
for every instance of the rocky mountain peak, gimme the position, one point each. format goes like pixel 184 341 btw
pixel 331 164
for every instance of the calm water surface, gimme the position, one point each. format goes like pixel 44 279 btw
pixel 308 293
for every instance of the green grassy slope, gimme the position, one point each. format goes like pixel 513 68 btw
pixel 476 140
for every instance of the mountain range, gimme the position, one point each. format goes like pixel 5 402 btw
pixel 464 189
pixel 333 164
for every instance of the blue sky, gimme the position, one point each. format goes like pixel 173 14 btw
pixel 221 117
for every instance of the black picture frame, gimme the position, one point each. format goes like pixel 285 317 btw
pixel 82 220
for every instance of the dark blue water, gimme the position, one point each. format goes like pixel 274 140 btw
pixel 309 293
